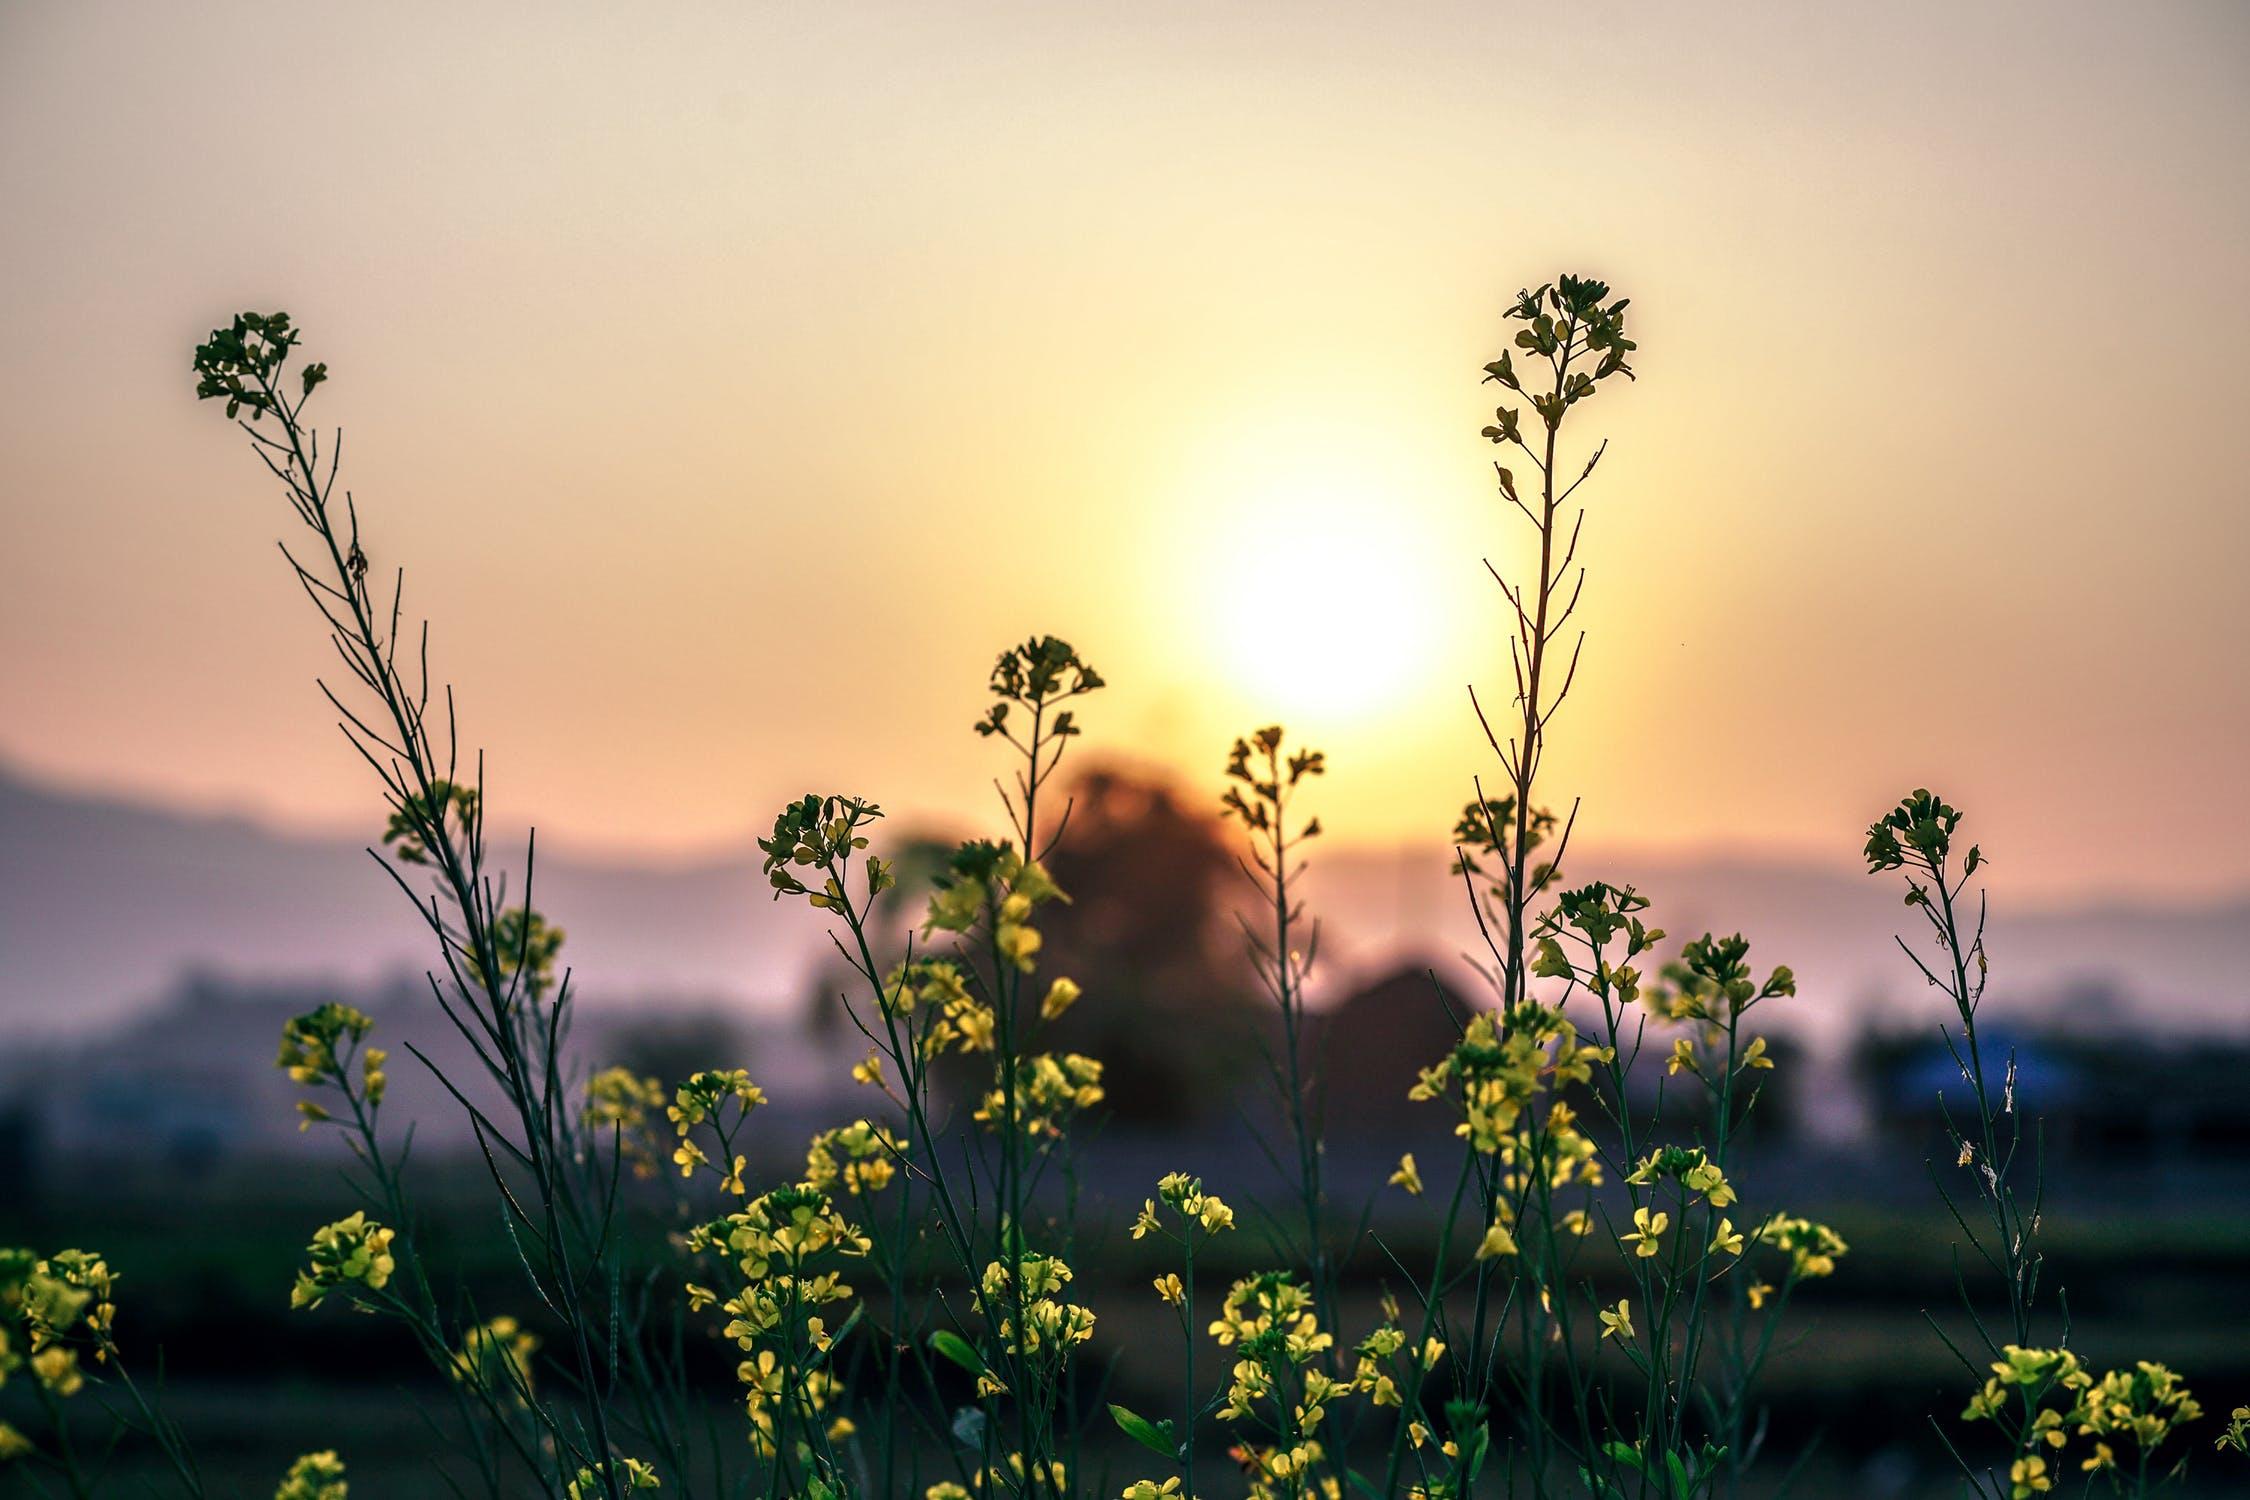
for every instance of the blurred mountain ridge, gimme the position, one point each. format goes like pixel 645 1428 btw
pixel 106 901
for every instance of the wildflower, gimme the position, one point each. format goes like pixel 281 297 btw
pixel 314 1476
pixel 1497 1242
pixel 1707 1179
pixel 1170 1288
pixel 2103 1457
pixel 948 1490
pixel 634 1475
pixel 1061 996
pixel 1048 1088
pixel 1149 1489
pixel 2027 1477
pixel 527 944
pixel 419 820
pixel 57 1370
pixel 14 1445
pixel 1050 1325
pixel 495 1357
pixel 860 1157
pixel 1758 1292
pixel 1408 1176
pixel 2237 1435
pixel 1812 1248
pixel 310 1043
pixel 374 1081
pixel 621 1099
pixel 353 1251
pixel 1647 1228
pixel 1683 1057
pixel 2146 1403
pixel 869 1070
pixel 820 833
pixel 704 1095
pixel 1754 1055
pixel 1618 1320
pixel 1691 1167
pixel 1019 943
pixel 1726 1239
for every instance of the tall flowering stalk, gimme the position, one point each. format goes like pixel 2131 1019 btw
pixel 2036 1397
pixel 496 983
pixel 1552 1127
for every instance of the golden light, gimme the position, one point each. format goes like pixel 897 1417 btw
pixel 1328 596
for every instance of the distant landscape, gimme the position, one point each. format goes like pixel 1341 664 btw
pixel 107 903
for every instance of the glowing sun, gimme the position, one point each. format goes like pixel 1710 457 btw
pixel 1329 607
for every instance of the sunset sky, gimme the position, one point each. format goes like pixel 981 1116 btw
pixel 734 381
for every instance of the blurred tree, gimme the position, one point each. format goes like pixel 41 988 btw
pixel 1171 1004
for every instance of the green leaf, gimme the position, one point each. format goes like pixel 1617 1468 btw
pixel 956 1348
pixel 1682 1485
pixel 1150 1435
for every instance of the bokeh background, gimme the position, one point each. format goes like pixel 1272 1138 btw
pixel 735 381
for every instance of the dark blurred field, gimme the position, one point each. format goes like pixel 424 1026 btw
pixel 206 1268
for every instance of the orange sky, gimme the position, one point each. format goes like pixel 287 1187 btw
pixel 736 380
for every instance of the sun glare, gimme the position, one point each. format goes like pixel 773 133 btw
pixel 1330 607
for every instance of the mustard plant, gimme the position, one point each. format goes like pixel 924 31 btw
pixel 2035 1396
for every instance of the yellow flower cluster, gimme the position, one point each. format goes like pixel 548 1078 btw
pixel 1009 1481
pixel 527 944
pixel 1052 1325
pixel 780 1244
pixel 495 1357
pixel 1697 1173
pixel 417 815
pixel 316 1049
pixel 314 1476
pixel 622 1104
pixel 958 1020
pixel 1184 1195
pixel 1494 1073
pixel 2143 1406
pixel 310 1042
pixel 350 1252
pixel 629 1473
pixel 821 833
pixel 995 876
pixel 703 1100
pixel 1812 1248
pixel 620 1099
pixel 1270 1320
pixel 43 1304
pixel 1152 1489
pixel 1049 1089
pixel 859 1157
pixel 1377 1372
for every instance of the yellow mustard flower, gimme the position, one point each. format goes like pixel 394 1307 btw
pixel 314 1476
pixel 1647 1229
pixel 1060 997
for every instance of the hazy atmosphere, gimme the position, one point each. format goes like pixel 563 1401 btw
pixel 638 315
pixel 1169 752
